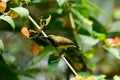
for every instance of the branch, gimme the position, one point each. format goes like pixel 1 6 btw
pixel 44 34
pixel 37 26
pixel 62 56
pixel 70 16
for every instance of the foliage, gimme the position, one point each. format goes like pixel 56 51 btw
pixel 83 22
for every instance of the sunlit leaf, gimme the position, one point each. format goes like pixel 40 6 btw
pixel 45 52
pixel 3 6
pixel 9 58
pixel 100 77
pixel 1 46
pixel 87 27
pixel 23 12
pixel 85 42
pixel 9 20
pixel 116 77
pixel 87 21
pixel 100 36
pixel 61 2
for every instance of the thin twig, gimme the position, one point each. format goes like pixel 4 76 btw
pixel 63 57
pixel 37 26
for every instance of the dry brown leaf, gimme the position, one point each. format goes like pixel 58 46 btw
pixel 35 49
pixel 48 20
pixel 3 6
pixel 25 32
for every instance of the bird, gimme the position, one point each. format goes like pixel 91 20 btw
pixel 61 42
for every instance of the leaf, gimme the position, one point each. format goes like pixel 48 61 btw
pixel 25 32
pixel 48 20
pixel 100 36
pixel 45 52
pixel 28 1
pixel 107 7
pixel 13 14
pixel 97 26
pixel 116 77
pixel 115 26
pixel 80 20
pixel 23 12
pixel 61 2
pixel 53 63
pixel 87 27
pixel 9 58
pixel 35 49
pixel 1 46
pixel 113 51
pixel 9 20
pixel 3 6
pixel 77 77
pixel 100 77
pixel 85 42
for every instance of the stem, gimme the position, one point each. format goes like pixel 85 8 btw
pixel 69 65
pixel 37 26
pixel 70 16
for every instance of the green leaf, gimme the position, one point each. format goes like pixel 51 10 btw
pixel 77 15
pixel 9 58
pixel 27 1
pixel 87 27
pixel 115 26
pixel 100 36
pixel 9 20
pixel 61 2
pixel 116 77
pixel 97 26
pixel 85 42
pixel 79 19
pixel 1 46
pixel 95 6
pixel 113 51
pixel 23 12
pixel 100 77
pixel 53 63
pixel 107 7
pixel 46 52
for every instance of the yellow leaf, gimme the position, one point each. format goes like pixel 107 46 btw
pixel 87 21
pixel 13 14
pixel 91 78
pixel 78 77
